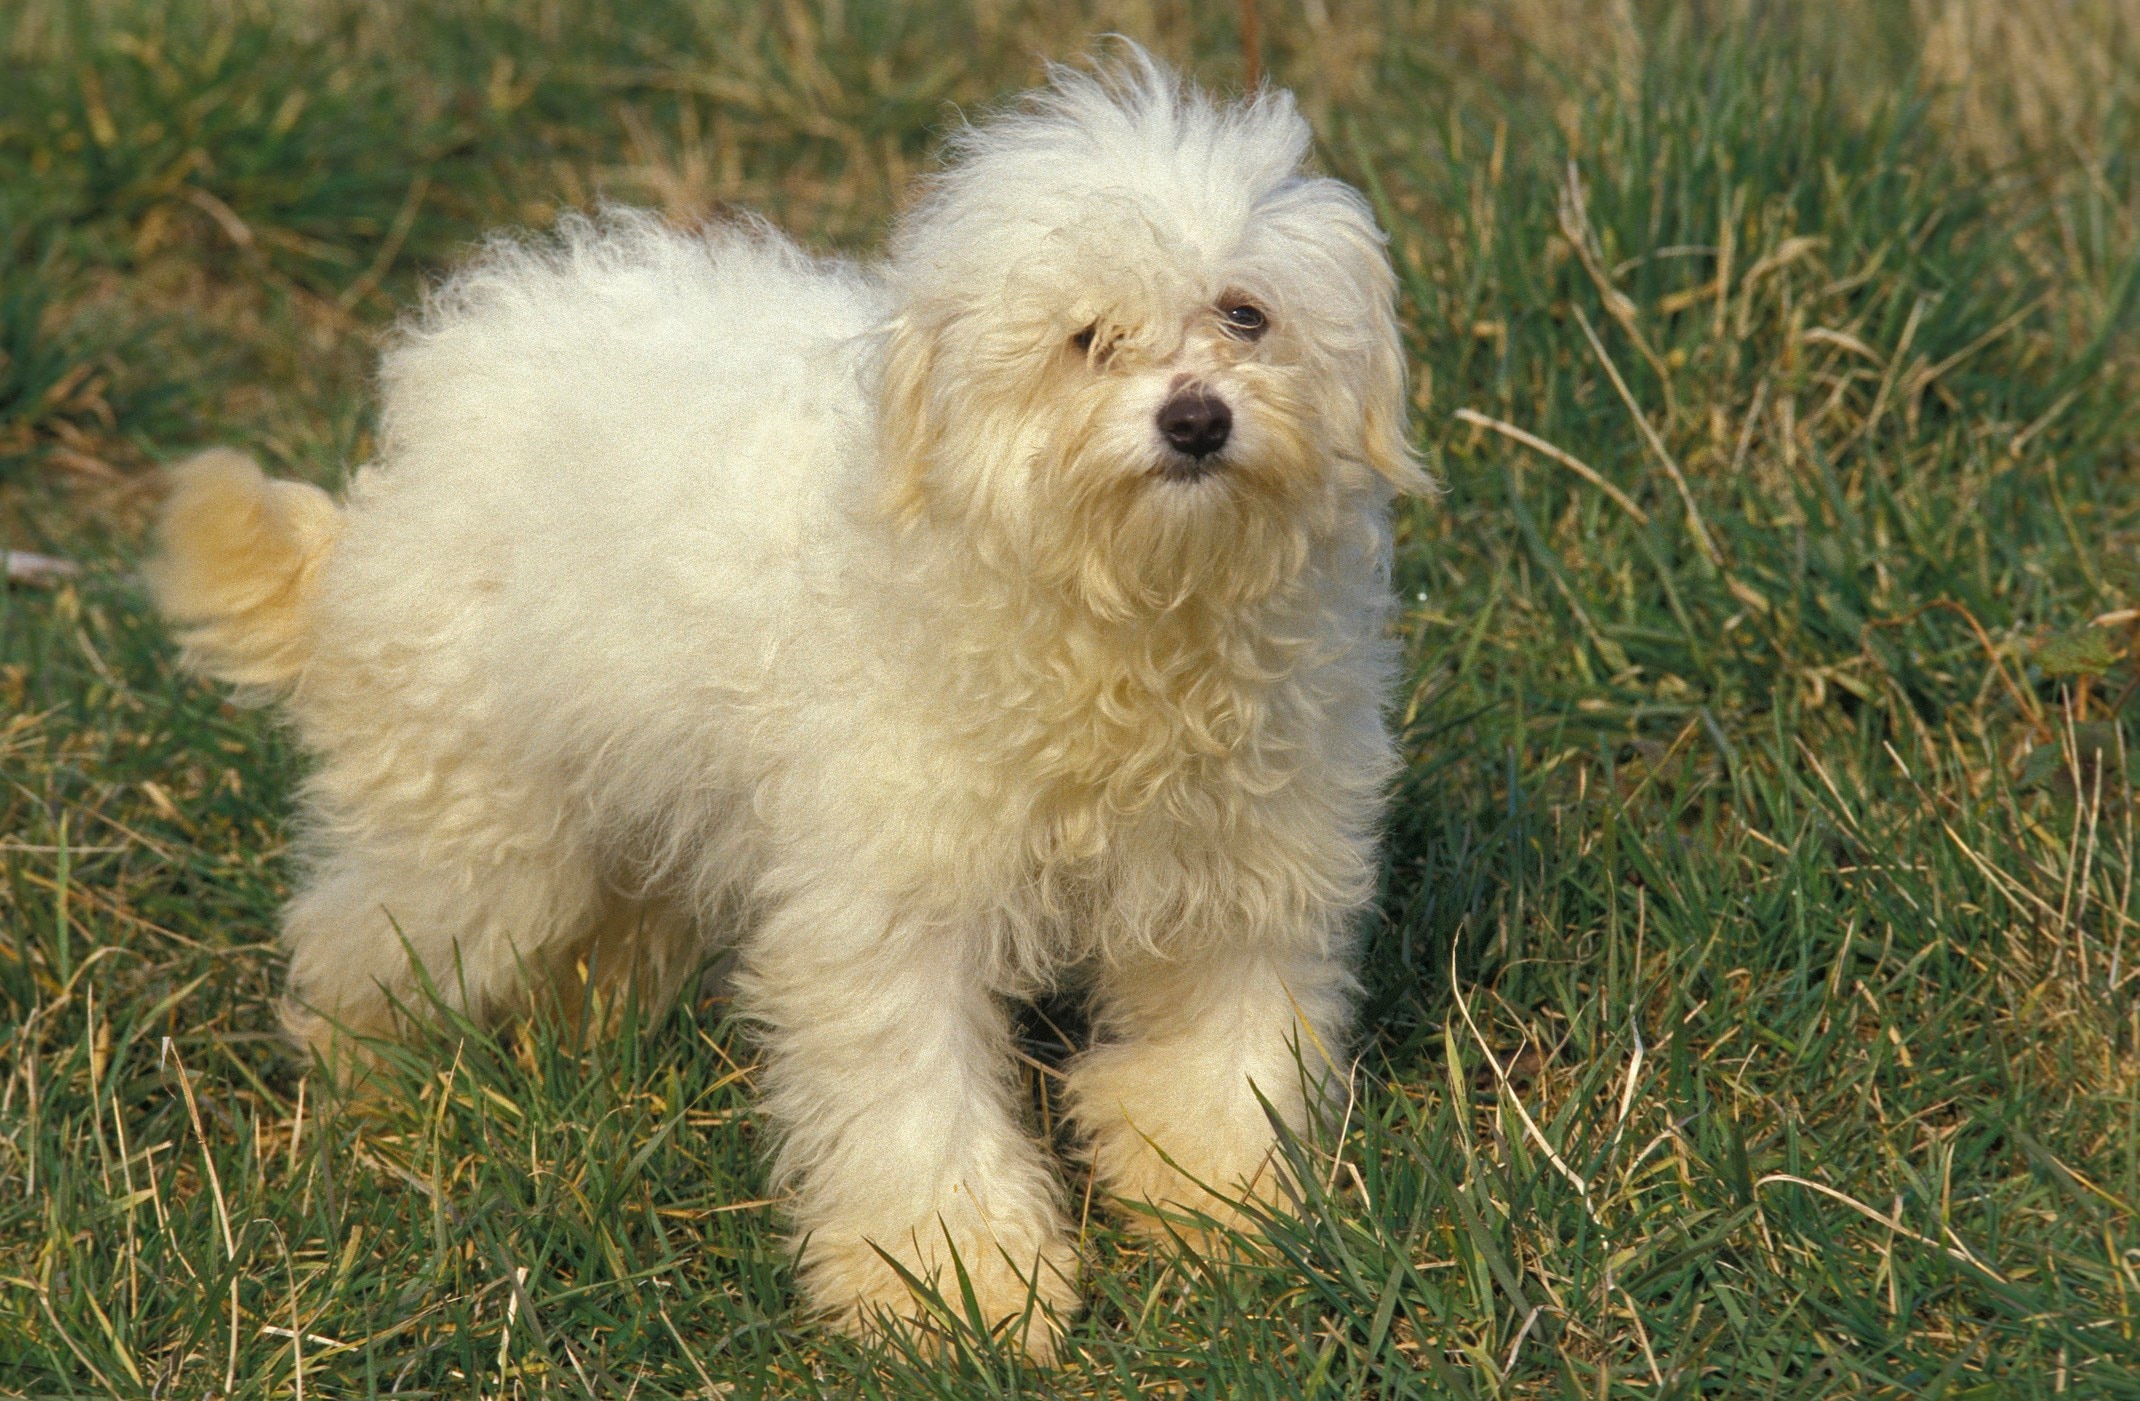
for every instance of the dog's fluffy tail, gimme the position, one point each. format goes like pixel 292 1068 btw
pixel 236 565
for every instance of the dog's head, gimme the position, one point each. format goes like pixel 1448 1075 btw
pixel 1138 351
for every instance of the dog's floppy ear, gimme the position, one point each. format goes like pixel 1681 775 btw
pixel 906 411
pixel 1385 439
pixel 1338 221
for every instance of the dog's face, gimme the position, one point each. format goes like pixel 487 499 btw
pixel 1139 353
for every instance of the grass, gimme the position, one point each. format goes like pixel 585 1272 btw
pixel 1752 1005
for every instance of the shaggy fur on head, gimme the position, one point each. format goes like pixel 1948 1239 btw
pixel 868 621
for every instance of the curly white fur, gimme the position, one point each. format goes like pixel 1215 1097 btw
pixel 863 618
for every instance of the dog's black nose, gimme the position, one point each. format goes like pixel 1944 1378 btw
pixel 1196 422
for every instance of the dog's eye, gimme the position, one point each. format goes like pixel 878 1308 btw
pixel 1245 319
pixel 1082 341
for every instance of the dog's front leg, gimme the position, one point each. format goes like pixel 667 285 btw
pixel 890 1079
pixel 1168 1098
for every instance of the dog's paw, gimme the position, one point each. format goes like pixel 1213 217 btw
pixel 1202 1066
pixel 1024 1286
pixel 1205 1181
pixel 1163 1198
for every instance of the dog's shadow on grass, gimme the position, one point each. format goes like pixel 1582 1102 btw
pixel 1466 852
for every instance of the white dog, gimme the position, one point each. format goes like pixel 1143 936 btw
pixel 931 633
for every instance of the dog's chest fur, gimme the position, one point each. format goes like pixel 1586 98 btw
pixel 1181 718
pixel 1103 746
pixel 1122 784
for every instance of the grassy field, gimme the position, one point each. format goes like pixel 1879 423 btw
pixel 1753 1004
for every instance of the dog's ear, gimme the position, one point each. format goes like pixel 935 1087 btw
pixel 1337 221
pixel 1385 437
pixel 907 428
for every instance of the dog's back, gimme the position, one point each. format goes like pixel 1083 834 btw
pixel 660 410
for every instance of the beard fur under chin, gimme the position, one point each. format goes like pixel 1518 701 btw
pixel 1133 543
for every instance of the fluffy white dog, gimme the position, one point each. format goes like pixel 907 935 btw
pixel 930 632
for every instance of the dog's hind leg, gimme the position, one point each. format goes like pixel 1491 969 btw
pixel 889 1076
pixel 382 925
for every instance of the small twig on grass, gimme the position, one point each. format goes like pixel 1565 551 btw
pixel 1957 1252
pixel 1537 1135
pixel 28 567
pixel 1655 443
pixel 1574 215
pixel 1515 1347
pixel 1568 460
pixel 227 219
